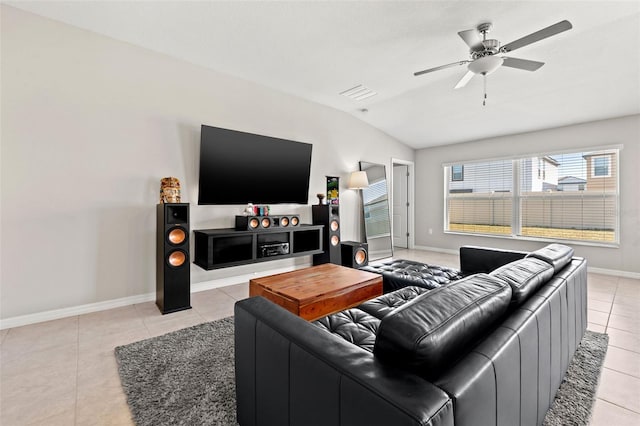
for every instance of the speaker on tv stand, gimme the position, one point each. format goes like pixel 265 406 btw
pixel 329 216
pixel 257 223
pixel 173 276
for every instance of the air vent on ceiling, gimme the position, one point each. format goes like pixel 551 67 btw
pixel 359 93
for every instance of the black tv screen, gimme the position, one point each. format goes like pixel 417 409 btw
pixel 240 168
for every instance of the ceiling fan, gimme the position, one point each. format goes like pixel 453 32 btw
pixel 486 55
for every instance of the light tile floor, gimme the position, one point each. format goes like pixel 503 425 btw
pixel 64 372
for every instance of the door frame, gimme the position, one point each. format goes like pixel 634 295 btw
pixel 410 199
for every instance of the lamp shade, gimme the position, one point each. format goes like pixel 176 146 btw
pixel 358 180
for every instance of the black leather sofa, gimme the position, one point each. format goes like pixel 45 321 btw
pixel 488 349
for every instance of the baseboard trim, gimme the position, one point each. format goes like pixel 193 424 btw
pixel 614 272
pixel 437 249
pixel 132 300
pixel 74 310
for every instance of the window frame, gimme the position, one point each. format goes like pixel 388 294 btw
pixel 613 150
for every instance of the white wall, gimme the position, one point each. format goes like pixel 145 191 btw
pixel 624 131
pixel 91 124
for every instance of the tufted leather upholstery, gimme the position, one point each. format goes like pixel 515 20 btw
pixel 382 305
pixel 353 325
pixel 360 325
pixel 289 371
pixel 400 273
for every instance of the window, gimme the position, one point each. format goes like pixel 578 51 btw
pixel 577 199
pixel 457 173
pixel 601 166
pixel 482 203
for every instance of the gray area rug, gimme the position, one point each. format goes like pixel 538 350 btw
pixel 181 378
pixel 574 400
pixel 187 378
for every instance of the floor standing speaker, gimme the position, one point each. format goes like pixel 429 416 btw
pixel 329 216
pixel 354 254
pixel 173 283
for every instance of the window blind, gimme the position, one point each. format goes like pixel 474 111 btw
pixel 569 196
pixel 482 201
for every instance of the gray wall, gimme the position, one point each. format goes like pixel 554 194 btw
pixel 91 124
pixel 624 131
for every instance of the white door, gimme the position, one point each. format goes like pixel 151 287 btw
pixel 400 205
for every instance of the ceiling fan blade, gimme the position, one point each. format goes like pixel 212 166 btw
pixel 441 67
pixel 522 64
pixel 537 36
pixel 472 38
pixel 464 80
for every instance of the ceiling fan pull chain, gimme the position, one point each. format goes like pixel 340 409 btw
pixel 484 101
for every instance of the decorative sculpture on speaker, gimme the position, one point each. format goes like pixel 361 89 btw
pixel 169 190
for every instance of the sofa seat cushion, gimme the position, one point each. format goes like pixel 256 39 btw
pixel 401 273
pixel 525 276
pixel 353 325
pixel 435 329
pixel 557 255
pixel 382 305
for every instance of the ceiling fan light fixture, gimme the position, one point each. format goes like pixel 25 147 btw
pixel 485 65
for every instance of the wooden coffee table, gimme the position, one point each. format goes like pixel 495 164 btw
pixel 315 292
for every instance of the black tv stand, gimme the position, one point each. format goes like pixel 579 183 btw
pixel 223 248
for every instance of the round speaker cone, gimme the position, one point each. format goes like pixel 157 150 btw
pixel 177 236
pixel 254 223
pixel 284 221
pixel 335 240
pixel 266 223
pixel 334 225
pixel 177 258
pixel 294 221
pixel 360 256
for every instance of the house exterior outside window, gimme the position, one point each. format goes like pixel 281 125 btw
pixel 570 196
pixel 457 173
pixel 600 166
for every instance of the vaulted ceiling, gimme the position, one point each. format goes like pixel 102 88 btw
pixel 316 50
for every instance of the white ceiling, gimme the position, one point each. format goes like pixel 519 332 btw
pixel 315 50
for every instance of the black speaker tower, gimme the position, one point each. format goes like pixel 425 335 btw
pixel 173 283
pixel 329 216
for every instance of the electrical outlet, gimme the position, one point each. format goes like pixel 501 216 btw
pixel 430 231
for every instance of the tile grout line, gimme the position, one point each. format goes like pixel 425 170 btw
pixel 615 292
pixel 623 349
pixel 618 406
pixel 622 372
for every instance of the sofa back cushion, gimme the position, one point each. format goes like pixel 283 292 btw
pixel 557 255
pixel 437 328
pixel 524 276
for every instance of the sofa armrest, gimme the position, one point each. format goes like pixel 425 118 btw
pixel 475 260
pixel 289 371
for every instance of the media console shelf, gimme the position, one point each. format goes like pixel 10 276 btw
pixel 222 248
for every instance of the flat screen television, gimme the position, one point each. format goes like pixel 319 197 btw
pixel 240 168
